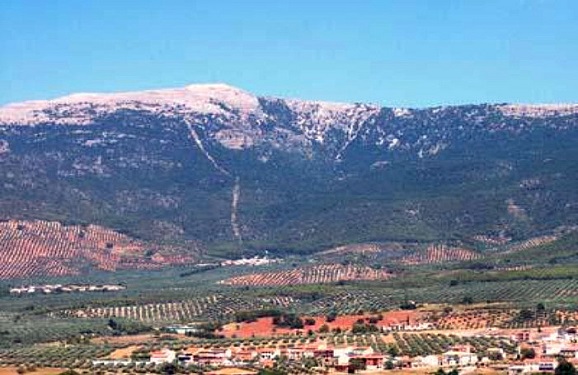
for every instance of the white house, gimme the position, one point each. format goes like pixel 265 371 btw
pixel 456 358
pixel 183 329
pixel 426 361
pixel 163 356
pixel 342 351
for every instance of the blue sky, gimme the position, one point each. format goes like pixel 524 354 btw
pixel 395 53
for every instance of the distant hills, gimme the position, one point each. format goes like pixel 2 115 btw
pixel 233 173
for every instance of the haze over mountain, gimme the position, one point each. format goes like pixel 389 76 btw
pixel 236 173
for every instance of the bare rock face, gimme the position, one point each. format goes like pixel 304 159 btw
pixel 538 110
pixel 239 120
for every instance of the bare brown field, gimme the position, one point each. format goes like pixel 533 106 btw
pixel 124 353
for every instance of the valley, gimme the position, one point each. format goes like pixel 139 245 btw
pixel 216 229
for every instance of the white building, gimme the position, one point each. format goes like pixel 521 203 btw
pixel 426 361
pixel 163 356
pixel 456 358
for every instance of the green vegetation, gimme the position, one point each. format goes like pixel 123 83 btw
pixel 288 320
pixel 156 185
pixel 565 368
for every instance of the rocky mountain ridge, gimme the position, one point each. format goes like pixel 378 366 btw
pixel 242 173
pixel 244 120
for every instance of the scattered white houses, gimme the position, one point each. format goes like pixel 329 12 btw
pixel 463 357
pixel 423 326
pixel 183 329
pixel 255 261
pixel 117 362
pixel 59 288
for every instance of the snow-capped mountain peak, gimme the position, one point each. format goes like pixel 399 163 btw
pixel 237 119
pixel 81 108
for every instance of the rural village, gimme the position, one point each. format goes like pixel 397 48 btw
pixel 370 346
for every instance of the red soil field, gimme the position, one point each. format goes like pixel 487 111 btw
pixel 264 327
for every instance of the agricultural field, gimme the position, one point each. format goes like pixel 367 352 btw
pixel 530 243
pixel 48 248
pixel 72 356
pixel 441 292
pixel 414 344
pixel 327 273
pixel 410 344
pixel 440 254
pixel 212 307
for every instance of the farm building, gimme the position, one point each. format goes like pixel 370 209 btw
pixel 163 356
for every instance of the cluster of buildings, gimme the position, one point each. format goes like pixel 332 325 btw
pixel 536 352
pixel 69 288
pixel 331 359
pixel 338 359
pixel 547 348
pixel 184 329
pixel 255 261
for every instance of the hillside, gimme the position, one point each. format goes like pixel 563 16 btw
pixel 43 248
pixel 237 173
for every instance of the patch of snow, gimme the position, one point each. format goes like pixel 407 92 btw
pixel 82 108
pixel 401 112
pixel 435 149
pixel 315 119
pixel 92 142
pixel 393 143
pixel 379 164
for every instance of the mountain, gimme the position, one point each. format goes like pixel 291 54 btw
pixel 236 173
